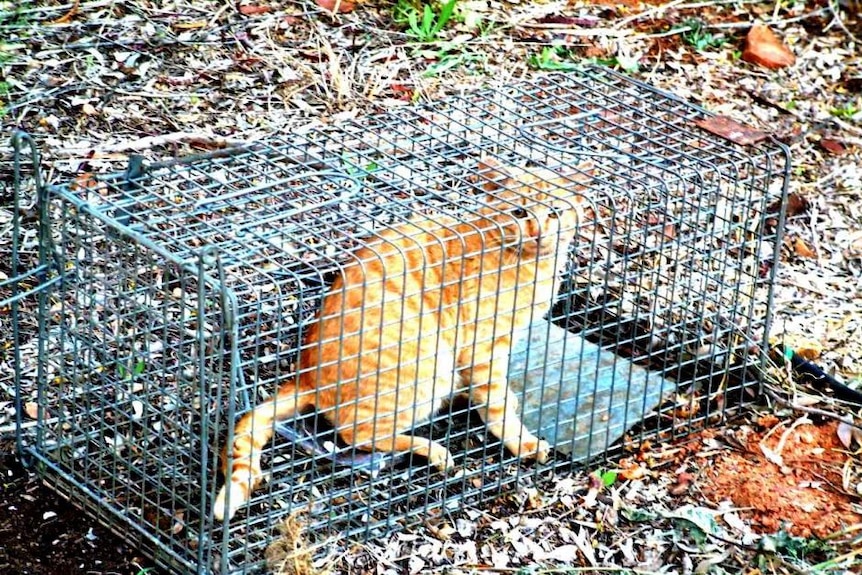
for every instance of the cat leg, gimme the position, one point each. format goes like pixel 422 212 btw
pixel 437 455
pixel 251 434
pixel 498 408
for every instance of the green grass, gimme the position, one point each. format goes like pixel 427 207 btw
pixel 559 58
pixel 698 37
pixel 552 59
pixel 452 57
pixel 423 24
pixel 128 374
pixel 847 111
pixel 5 90
pixel 17 18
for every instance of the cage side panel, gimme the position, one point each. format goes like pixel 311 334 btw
pixel 121 400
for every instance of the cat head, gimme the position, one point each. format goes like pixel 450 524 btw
pixel 535 210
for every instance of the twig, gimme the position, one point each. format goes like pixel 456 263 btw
pixel 148 142
pixel 651 12
pixel 771 22
pixel 836 19
pixel 774 455
pixel 573 31
pixel 805 409
pixel 809 288
pixel 847 126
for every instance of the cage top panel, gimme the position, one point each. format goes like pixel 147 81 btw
pixel 309 194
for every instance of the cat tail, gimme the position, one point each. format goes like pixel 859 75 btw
pixel 241 466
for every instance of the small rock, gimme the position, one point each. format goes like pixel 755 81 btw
pixel 764 48
pixel 31 408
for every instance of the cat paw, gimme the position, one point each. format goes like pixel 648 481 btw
pixel 532 448
pixel 441 458
pixel 223 512
pixel 543 450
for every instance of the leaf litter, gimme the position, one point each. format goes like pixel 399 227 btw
pixel 96 81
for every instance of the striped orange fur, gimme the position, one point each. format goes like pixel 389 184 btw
pixel 425 310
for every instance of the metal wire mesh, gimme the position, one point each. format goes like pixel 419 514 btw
pixel 186 289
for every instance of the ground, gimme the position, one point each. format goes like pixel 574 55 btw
pixel 775 490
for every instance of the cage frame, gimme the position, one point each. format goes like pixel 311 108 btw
pixel 208 271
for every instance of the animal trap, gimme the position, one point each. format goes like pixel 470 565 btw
pixel 178 296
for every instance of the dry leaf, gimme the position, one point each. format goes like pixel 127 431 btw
pixel 807 349
pixel 845 434
pixel 854 247
pixel 848 433
pixel 67 17
pixel 683 482
pixel 731 130
pixel 763 47
pixel 179 522
pixel 253 9
pixel 630 470
pixel 336 6
pixel 802 249
pixel 833 146
pixel 796 204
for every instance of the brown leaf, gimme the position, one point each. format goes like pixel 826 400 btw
pixel 336 6
pixel 683 481
pixel 253 9
pixel 593 51
pixel 731 130
pixel 402 91
pixel 796 204
pixel 833 146
pixel 802 249
pixel 669 231
pixel 84 180
pixel 764 48
pixel 67 17
pixel 807 349
pixel 630 470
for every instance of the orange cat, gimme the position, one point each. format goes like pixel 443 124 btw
pixel 425 310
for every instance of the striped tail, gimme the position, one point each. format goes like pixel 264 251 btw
pixel 251 434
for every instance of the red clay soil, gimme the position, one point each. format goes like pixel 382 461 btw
pixel 804 495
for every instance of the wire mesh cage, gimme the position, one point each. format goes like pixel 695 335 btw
pixel 517 280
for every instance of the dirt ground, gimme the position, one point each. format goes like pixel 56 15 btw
pixel 42 533
pixel 776 490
